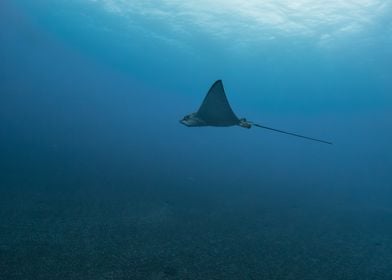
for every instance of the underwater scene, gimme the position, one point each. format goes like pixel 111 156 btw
pixel 196 140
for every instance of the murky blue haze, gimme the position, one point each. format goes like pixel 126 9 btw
pixel 99 180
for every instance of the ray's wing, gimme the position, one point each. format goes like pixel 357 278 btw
pixel 215 109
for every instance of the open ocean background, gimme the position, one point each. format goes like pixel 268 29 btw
pixel 99 180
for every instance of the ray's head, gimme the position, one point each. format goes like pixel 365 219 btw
pixel 190 120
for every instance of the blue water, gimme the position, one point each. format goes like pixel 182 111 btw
pixel 99 180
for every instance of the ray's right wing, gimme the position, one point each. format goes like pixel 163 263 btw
pixel 215 109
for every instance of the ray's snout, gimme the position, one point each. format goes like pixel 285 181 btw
pixel 185 120
pixel 192 120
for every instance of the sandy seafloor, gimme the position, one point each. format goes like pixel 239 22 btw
pixel 93 236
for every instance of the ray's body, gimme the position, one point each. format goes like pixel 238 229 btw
pixel 215 110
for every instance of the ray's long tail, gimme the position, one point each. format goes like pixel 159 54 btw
pixel 289 133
